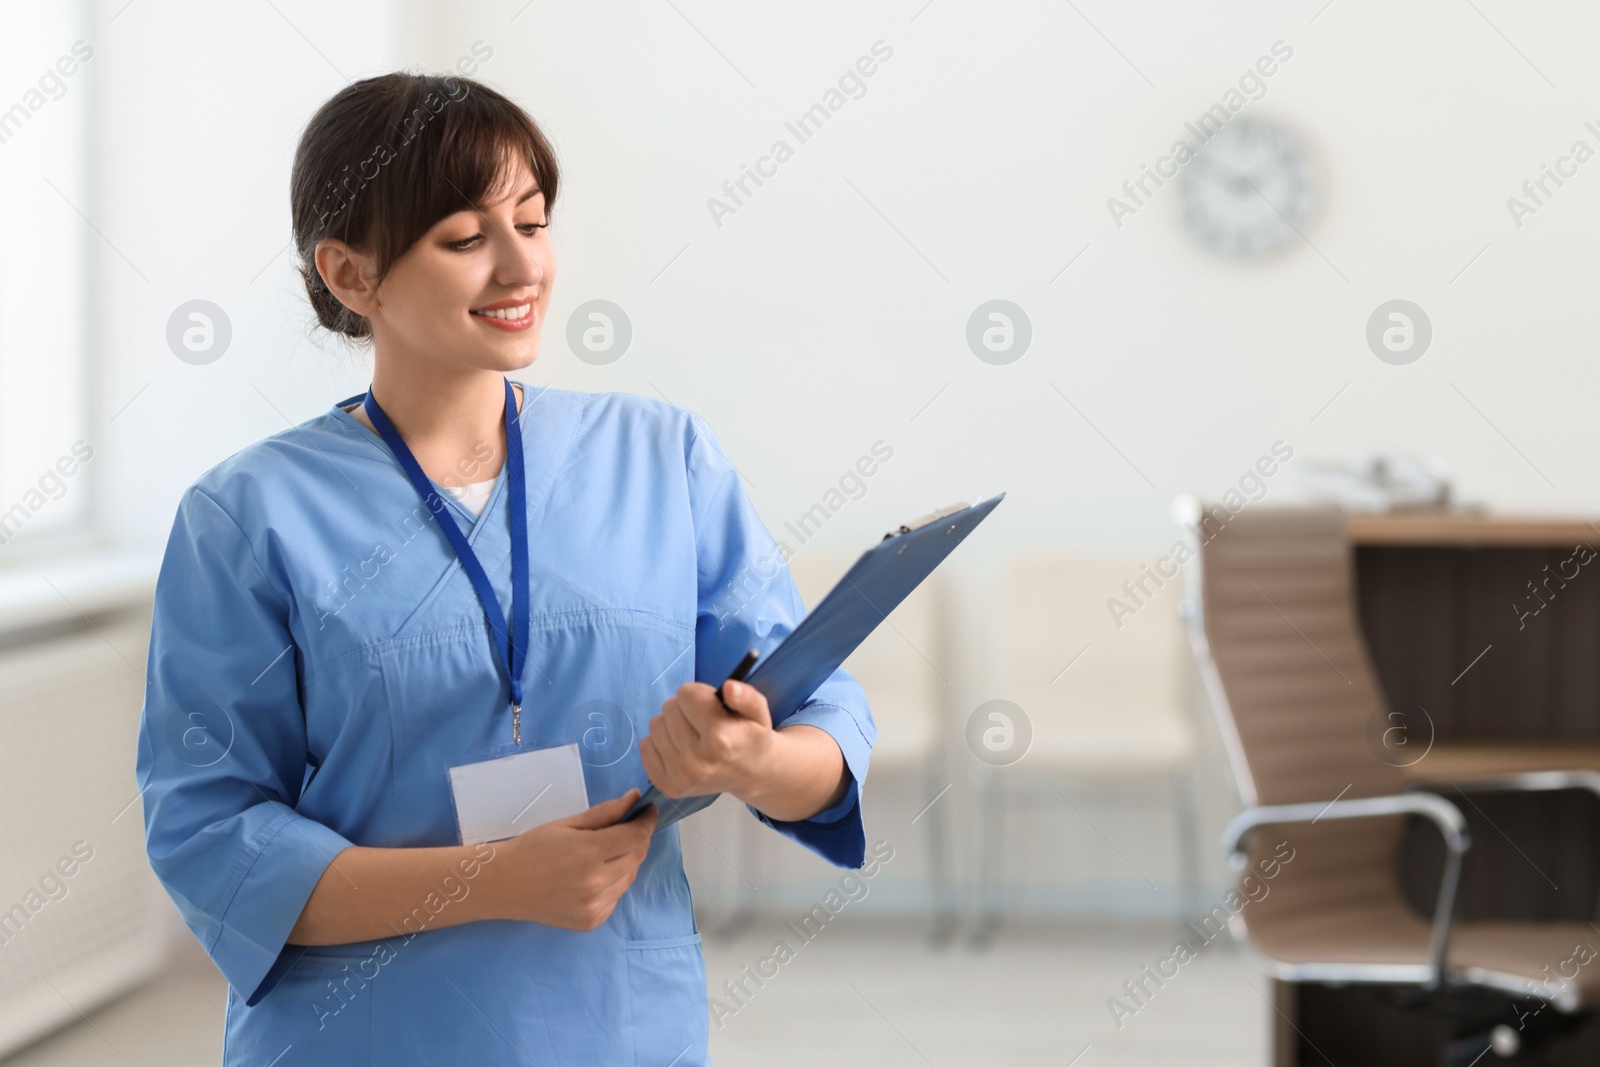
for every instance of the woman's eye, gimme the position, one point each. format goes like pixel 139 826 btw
pixel 528 229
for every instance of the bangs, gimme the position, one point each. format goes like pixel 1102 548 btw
pixel 388 157
pixel 456 145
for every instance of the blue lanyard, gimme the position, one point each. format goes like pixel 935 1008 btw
pixel 513 650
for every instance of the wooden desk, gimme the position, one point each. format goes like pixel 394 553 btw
pixel 1462 761
pixel 1472 529
pixel 1491 625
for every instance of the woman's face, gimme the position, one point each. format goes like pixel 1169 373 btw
pixel 431 306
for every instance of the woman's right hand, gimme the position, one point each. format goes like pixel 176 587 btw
pixel 571 872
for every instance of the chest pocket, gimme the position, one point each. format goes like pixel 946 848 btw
pixel 591 678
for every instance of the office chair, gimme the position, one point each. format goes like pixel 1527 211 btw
pixel 1272 620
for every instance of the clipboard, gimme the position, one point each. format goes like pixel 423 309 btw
pixel 872 588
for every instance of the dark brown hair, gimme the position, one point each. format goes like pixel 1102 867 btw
pixel 388 157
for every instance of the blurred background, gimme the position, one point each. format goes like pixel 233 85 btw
pixel 1095 255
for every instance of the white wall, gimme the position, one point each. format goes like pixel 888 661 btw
pixel 805 328
pixel 829 310
pixel 200 108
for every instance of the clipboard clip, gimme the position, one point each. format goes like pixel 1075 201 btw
pixel 928 519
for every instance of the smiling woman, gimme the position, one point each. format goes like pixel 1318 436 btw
pixel 442 170
pixel 591 574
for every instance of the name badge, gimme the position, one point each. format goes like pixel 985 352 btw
pixel 501 797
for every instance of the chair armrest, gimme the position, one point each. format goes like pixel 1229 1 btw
pixel 1445 815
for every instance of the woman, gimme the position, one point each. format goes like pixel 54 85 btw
pixel 331 638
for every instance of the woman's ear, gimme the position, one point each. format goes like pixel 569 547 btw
pixel 349 275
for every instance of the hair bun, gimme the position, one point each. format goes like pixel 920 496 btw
pixel 331 312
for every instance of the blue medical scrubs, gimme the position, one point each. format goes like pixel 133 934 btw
pixel 319 658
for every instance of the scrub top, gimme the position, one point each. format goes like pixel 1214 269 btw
pixel 319 657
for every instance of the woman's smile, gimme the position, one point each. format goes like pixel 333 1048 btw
pixel 509 315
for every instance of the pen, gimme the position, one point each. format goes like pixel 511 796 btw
pixel 739 672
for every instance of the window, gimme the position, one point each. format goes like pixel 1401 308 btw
pixel 47 305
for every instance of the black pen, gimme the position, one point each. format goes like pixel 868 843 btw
pixel 739 673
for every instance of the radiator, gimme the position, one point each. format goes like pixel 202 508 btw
pixel 82 917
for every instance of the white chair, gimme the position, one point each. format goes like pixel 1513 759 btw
pixel 1104 701
pixel 901 667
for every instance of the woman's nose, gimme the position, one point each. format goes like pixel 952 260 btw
pixel 520 262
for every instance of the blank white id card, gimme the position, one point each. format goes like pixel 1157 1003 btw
pixel 500 798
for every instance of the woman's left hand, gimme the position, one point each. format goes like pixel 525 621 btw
pixel 696 746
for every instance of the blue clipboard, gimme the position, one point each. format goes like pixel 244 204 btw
pixel 872 588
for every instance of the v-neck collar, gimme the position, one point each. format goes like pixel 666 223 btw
pixel 473 522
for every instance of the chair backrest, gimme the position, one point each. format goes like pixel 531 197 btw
pixel 901 664
pixel 1291 679
pixel 1089 649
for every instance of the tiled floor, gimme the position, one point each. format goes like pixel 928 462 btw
pixel 882 995
pixel 863 991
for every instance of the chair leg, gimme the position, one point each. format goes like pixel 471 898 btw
pixel 990 826
pixel 1187 826
pixel 944 912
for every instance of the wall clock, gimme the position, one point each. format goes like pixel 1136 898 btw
pixel 1248 190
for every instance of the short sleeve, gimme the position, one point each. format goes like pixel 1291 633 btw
pixel 747 599
pixel 222 752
